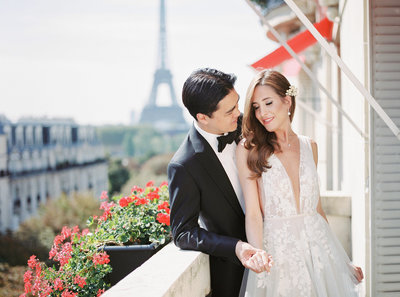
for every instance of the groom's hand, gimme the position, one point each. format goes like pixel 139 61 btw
pixel 253 258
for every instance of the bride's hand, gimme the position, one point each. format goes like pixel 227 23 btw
pixel 358 273
pixel 260 262
pixel 253 258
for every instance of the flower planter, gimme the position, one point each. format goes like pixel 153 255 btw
pixel 125 259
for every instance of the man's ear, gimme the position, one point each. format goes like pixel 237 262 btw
pixel 202 118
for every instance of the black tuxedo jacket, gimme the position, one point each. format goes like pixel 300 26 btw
pixel 200 188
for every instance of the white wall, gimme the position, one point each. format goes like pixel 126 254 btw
pixel 355 154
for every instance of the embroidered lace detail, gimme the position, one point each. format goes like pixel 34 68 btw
pixel 306 254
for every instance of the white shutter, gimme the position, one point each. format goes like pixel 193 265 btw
pixel 385 149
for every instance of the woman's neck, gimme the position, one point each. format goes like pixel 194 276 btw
pixel 285 136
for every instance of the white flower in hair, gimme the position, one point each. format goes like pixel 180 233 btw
pixel 292 91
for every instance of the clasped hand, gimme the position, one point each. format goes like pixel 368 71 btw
pixel 252 258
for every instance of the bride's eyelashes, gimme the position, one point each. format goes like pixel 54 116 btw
pixel 255 107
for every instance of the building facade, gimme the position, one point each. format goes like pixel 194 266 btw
pixel 362 158
pixel 41 159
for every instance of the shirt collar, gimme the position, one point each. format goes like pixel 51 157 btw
pixel 210 137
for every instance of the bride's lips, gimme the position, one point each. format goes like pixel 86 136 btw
pixel 268 120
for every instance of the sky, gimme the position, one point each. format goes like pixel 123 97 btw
pixel 94 60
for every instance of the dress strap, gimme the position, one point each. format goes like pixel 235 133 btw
pixel 308 151
pixel 306 140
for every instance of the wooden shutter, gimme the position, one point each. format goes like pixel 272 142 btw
pixel 385 149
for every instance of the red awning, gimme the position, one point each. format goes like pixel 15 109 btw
pixel 298 43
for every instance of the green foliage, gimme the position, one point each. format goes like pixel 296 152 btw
pixel 141 218
pixel 114 135
pixel 81 265
pixel 79 271
pixel 35 235
pixel 153 169
pixel 128 145
pixel 118 175
pixel 148 141
pixel 142 141
pixel 11 280
pixel 15 251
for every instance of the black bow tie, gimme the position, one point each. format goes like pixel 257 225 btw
pixel 225 139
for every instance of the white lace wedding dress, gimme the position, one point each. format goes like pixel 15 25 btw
pixel 308 259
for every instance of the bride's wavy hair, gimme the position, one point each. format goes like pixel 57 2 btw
pixel 260 142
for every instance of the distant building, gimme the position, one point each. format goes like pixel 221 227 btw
pixel 41 159
pixel 361 157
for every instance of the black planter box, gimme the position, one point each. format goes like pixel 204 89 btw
pixel 125 259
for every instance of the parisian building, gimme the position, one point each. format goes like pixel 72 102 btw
pixel 41 159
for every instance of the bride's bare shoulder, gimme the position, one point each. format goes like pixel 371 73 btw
pixel 241 149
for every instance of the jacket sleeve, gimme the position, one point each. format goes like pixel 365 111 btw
pixel 185 209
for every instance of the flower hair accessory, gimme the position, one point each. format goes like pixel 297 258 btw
pixel 292 91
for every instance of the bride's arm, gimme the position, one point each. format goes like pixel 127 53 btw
pixel 357 270
pixel 254 221
pixel 315 155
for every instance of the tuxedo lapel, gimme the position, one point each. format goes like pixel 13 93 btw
pixel 214 168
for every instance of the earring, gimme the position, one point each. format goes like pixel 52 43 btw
pixel 288 112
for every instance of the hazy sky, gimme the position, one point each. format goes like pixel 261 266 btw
pixel 94 60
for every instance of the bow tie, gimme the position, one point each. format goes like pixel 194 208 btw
pixel 226 139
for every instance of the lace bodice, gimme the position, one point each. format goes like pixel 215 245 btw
pixel 276 187
pixel 308 259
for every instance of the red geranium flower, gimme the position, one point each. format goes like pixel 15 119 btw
pixel 80 281
pixel 150 184
pixel 104 195
pixel 67 293
pixel 163 218
pixel 65 232
pixel 140 201
pixel 164 205
pixel 101 258
pixel 153 195
pixel 107 210
pixel 58 284
pixel 32 262
pixel 136 189
pixel 123 202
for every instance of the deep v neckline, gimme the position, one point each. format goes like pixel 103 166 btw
pixel 297 202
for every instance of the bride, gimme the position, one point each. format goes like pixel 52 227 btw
pixel 277 171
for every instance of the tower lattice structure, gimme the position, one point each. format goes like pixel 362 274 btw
pixel 167 118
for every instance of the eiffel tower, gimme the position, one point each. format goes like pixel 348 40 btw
pixel 165 118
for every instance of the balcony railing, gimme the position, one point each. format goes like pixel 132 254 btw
pixel 170 273
pixel 176 273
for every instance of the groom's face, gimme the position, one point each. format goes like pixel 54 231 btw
pixel 224 119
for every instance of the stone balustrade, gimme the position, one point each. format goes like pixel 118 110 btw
pixel 176 273
pixel 170 273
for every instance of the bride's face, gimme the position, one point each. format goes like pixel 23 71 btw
pixel 270 109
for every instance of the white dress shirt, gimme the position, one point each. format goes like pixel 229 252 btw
pixel 228 160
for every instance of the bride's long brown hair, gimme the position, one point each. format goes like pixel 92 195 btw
pixel 260 142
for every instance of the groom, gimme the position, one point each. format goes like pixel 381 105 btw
pixel 207 205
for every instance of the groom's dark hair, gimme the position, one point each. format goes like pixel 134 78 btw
pixel 204 88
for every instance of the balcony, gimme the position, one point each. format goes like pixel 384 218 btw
pixel 170 273
pixel 282 18
pixel 176 273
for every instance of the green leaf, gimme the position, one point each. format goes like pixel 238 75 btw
pixel 89 221
pixel 124 238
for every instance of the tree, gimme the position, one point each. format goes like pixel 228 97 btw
pixel 118 175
